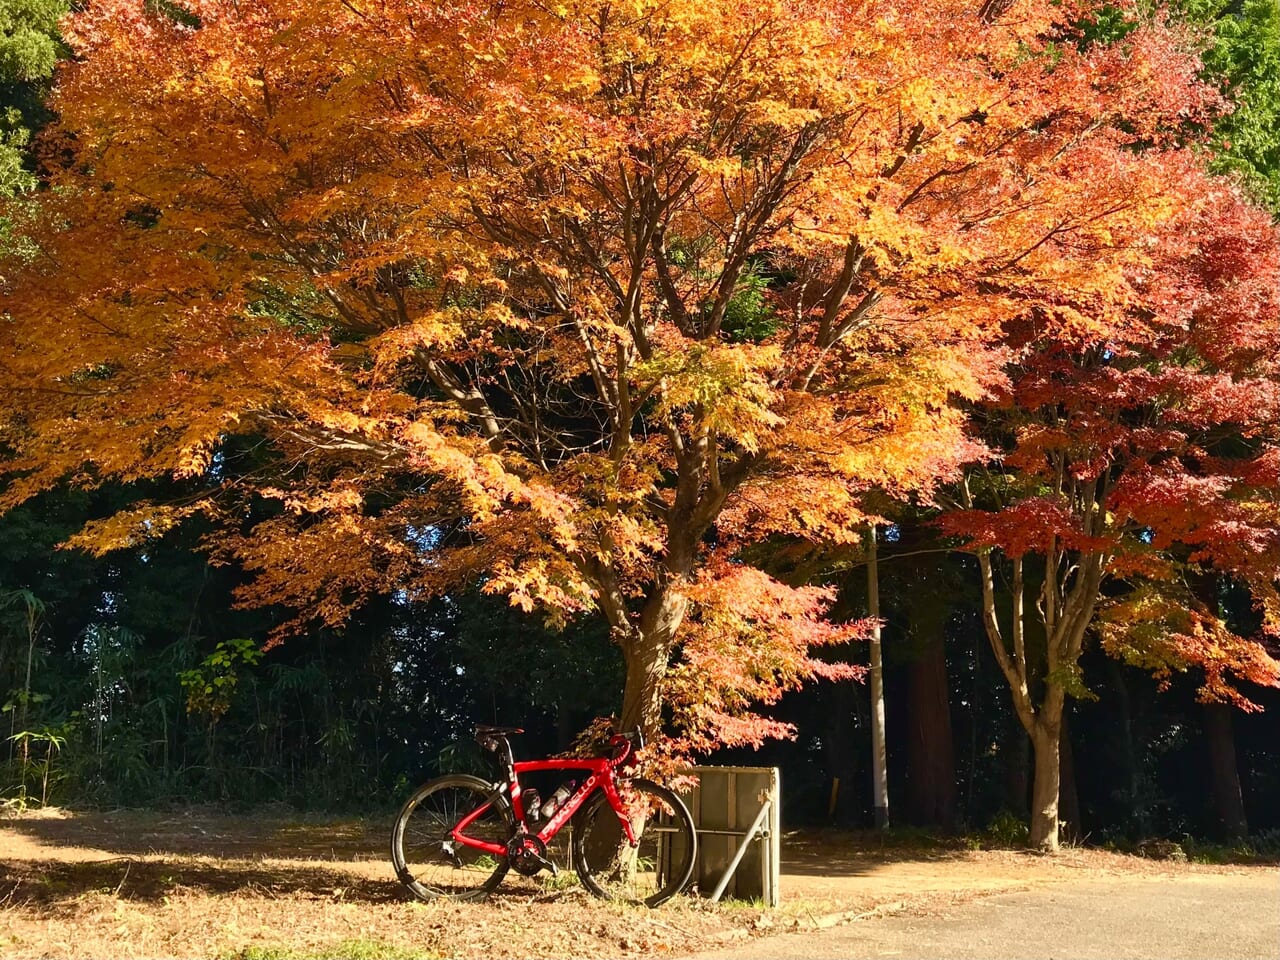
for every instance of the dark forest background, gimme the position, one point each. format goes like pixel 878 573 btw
pixel 133 680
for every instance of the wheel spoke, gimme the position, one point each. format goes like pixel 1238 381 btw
pixel 424 852
pixel 655 869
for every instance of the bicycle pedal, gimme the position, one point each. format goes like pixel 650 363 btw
pixel 546 864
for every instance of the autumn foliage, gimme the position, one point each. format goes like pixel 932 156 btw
pixel 1134 468
pixel 580 299
pixel 1150 455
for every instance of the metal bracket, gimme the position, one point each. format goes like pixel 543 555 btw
pixel 754 832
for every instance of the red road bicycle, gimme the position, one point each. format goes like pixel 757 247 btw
pixel 632 840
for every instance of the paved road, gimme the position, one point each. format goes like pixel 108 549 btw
pixel 1206 917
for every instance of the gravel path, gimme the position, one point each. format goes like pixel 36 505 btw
pixel 1205 917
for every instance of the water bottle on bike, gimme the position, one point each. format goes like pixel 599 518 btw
pixel 554 801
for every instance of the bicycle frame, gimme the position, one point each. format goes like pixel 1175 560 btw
pixel 600 776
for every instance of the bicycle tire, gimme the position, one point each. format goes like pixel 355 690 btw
pixel 427 862
pixel 658 869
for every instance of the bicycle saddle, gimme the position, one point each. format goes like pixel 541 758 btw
pixel 483 730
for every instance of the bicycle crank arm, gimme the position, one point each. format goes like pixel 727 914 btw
pixel 544 863
pixel 527 855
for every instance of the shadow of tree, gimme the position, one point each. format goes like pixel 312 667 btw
pixel 200 832
pixel 836 853
pixel 143 855
pixel 54 885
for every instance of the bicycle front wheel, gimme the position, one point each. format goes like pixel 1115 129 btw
pixel 651 873
pixel 429 861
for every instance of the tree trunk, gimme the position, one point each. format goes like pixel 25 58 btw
pixel 26 697
pixel 1068 793
pixel 1224 775
pixel 642 693
pixel 931 769
pixel 1046 742
pixel 1129 787
pixel 1228 800
pixel 840 706
pixel 1017 760
pixel 647 652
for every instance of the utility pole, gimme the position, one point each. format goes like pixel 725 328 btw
pixel 879 773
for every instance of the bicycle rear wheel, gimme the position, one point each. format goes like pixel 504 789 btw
pixel 651 873
pixel 429 861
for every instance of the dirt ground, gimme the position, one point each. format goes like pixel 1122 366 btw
pixel 274 886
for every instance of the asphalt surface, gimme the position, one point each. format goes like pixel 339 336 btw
pixel 1235 916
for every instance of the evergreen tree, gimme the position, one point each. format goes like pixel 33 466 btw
pixel 1244 58
pixel 29 51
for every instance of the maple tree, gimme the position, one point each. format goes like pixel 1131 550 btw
pixel 1143 457
pixel 574 299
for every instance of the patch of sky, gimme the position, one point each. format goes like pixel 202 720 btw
pixel 424 539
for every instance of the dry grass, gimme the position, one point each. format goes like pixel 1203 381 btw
pixel 272 887
pixel 275 887
pixel 184 909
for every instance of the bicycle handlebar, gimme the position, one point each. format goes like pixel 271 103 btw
pixel 626 744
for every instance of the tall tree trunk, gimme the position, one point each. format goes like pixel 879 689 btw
pixel 1066 607
pixel 1224 775
pixel 931 768
pixel 840 705
pixel 1017 763
pixel 1068 792
pixel 1128 753
pixel 33 628
pixel 1228 799
pixel 1046 744
pixel 26 694
pixel 879 752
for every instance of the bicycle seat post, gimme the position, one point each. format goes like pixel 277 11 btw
pixel 508 761
pixel 494 739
